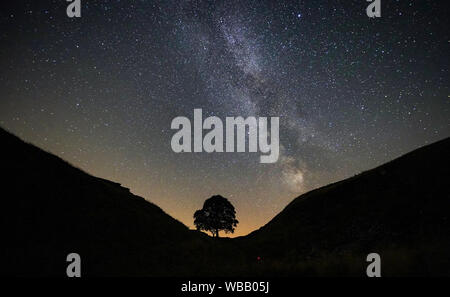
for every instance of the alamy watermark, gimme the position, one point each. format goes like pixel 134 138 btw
pixel 374 268
pixel 74 8
pixel 374 9
pixel 213 141
pixel 74 268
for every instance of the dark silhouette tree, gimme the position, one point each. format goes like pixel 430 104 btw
pixel 217 214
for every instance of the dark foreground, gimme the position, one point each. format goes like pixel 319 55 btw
pixel 399 210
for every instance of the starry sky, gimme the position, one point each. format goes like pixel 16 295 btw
pixel 101 91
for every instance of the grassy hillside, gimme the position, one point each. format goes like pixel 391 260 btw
pixel 50 209
pixel 400 210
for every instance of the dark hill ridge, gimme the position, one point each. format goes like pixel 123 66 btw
pixel 50 209
pixel 400 209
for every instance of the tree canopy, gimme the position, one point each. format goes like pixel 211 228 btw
pixel 217 214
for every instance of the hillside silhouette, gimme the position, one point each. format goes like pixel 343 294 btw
pixel 50 209
pixel 400 210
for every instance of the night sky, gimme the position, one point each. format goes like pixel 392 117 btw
pixel 101 91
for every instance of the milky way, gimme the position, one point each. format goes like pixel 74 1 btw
pixel 101 91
